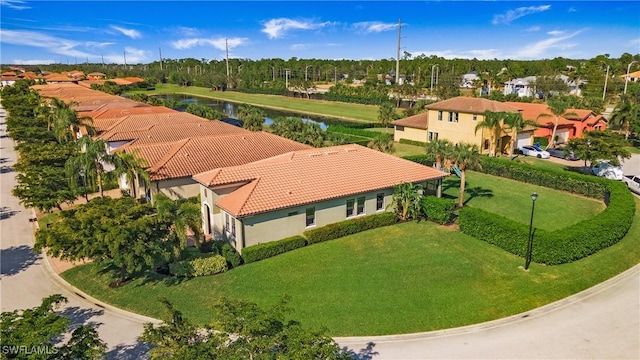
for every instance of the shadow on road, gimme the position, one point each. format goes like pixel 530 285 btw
pixel 15 259
pixel 6 212
pixel 364 354
pixel 4 169
pixel 129 352
pixel 81 316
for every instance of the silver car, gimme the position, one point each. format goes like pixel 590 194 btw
pixel 562 154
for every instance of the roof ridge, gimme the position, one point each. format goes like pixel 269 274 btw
pixel 169 155
pixel 251 188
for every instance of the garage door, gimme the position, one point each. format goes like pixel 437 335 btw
pixel 563 136
pixel 523 139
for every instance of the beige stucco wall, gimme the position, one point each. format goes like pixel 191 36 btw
pixel 410 134
pixel 174 188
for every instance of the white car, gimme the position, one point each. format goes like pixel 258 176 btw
pixel 531 150
pixel 607 170
pixel 633 183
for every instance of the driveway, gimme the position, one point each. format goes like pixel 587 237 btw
pixel 25 279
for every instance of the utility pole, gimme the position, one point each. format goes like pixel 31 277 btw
pixel 125 58
pixel 398 53
pixel 226 45
pixel 160 52
pixel 604 91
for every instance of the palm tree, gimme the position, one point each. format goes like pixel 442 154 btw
pixel 439 149
pixel 625 116
pixel 131 167
pixel 90 159
pixel 386 114
pixel 406 201
pixel 462 156
pixel 252 117
pixel 64 121
pixel 185 217
pixel 557 108
pixel 517 123
pixel 382 143
pixel 493 122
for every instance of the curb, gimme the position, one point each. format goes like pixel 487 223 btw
pixel 50 272
pixel 493 324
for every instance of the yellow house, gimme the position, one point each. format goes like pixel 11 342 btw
pixel 455 120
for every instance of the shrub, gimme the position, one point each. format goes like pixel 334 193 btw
pixel 224 249
pixel 348 227
pixel 562 246
pixel 267 250
pixel 420 159
pixel 438 209
pixel 201 266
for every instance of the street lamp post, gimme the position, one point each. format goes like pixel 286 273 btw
pixel 306 72
pixel 604 92
pixel 432 77
pixel 335 75
pixel 626 79
pixel 534 197
pixel 286 79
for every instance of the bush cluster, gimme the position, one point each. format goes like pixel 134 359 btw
pixel 413 142
pixel 348 227
pixel 224 249
pixel 199 266
pixel 420 159
pixel 439 210
pixel 561 246
pixel 270 249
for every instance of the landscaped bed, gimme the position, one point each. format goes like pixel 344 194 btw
pixel 404 278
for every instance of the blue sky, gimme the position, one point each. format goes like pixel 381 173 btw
pixel 41 32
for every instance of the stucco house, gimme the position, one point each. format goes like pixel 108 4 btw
pixel 524 87
pixel 455 120
pixel 571 125
pixel 285 195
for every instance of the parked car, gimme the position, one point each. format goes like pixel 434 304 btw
pixel 633 183
pixel 532 150
pixel 562 154
pixel 606 170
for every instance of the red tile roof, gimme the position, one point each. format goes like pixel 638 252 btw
pixel 187 157
pixel 309 176
pixel 418 121
pixel 532 111
pixel 471 105
pixel 120 129
pixel 106 116
pixel 159 133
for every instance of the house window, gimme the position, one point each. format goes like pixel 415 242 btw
pixel 433 136
pixel 311 217
pixel 453 117
pixel 230 225
pixel 350 207
pixel 486 144
pixel 439 115
pixel 399 128
pixel 233 227
pixel 450 117
pixel 379 201
pixel 475 117
pixel 360 209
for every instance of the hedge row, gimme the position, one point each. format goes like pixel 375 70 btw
pixel 199 266
pixel 267 250
pixel 353 131
pixel 563 180
pixel 560 246
pixel 348 227
pixel 420 159
pixel 413 142
pixel 439 210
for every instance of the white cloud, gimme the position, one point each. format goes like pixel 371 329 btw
pixel 40 40
pixel 481 54
pixel 534 29
pixel 539 49
pixel 15 4
pixel 572 9
pixel 33 62
pixel 133 55
pixel 374 26
pixel 132 33
pixel 277 28
pixel 299 46
pixel 219 43
pixel 512 15
pixel 635 42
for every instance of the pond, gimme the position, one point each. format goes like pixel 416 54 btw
pixel 230 109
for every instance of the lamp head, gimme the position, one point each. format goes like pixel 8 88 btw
pixel 534 196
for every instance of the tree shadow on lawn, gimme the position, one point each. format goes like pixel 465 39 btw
pixel 142 278
pixel 469 193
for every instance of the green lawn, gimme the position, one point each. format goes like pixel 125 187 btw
pixel 512 199
pixel 340 110
pixel 399 279
pixel 406 149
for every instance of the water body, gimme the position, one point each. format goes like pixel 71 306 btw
pixel 230 109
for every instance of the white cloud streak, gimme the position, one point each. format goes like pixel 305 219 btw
pixel 538 49
pixel 15 4
pixel 131 33
pixel 134 56
pixel 33 62
pixel 367 27
pixel 482 54
pixel 277 28
pixel 515 14
pixel 218 43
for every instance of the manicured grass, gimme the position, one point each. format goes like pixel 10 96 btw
pixel 340 110
pixel 404 278
pixel 633 150
pixel 512 199
pixel 406 149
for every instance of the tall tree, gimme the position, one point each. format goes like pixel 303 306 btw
pixel 386 114
pixel 625 116
pixel 463 156
pixel 91 158
pixel 130 167
pixel 406 201
pixel 493 121
pixel 439 149
pixel 184 216
pixel 558 107
pixel 251 116
pixel 40 328
pixel 383 143
pixel 517 123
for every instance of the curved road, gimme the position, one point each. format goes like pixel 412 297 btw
pixel 600 323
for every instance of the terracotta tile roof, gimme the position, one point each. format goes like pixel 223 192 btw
pixel 471 105
pixel 187 157
pixel 418 121
pixel 144 122
pixel 107 115
pixel 594 120
pixel 313 175
pixel 159 133
pixel 532 111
